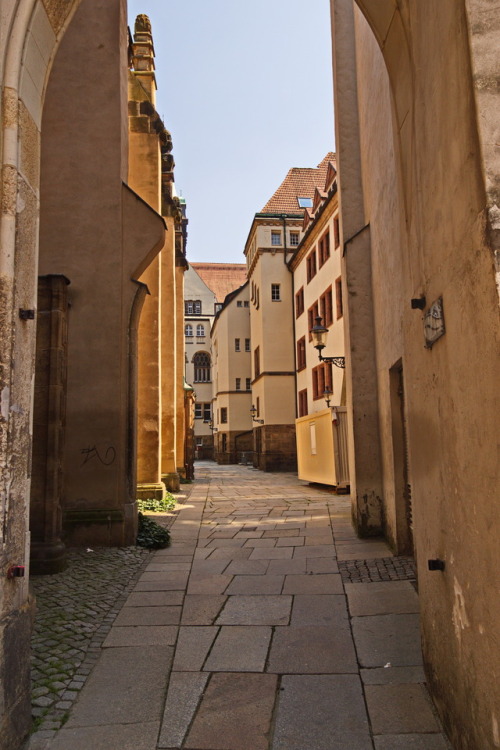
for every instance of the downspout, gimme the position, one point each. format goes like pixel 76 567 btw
pixel 293 317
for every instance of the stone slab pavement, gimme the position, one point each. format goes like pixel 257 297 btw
pixel 267 625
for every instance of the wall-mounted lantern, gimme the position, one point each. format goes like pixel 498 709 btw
pixel 210 423
pixel 319 335
pixel 253 412
pixel 327 395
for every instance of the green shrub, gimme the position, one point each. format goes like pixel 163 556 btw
pixel 156 506
pixel 151 535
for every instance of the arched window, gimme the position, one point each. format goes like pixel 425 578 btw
pixel 201 361
pixel 188 331
pixel 200 330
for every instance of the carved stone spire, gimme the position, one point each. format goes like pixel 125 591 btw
pixel 143 53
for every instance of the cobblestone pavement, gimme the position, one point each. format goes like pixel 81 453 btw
pixel 245 635
pixel 384 569
pixel 75 611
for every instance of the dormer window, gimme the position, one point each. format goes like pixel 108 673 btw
pixel 305 202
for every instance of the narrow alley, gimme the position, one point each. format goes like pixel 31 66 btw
pixel 267 625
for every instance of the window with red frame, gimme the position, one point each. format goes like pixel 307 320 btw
pixel 303 403
pixel 322 378
pixel 324 248
pixel 338 297
pixel 301 353
pixel 299 302
pixel 326 307
pixel 312 314
pixel 311 265
pixel 336 232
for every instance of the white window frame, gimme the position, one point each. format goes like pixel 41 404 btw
pixel 275 237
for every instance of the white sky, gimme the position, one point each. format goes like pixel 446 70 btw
pixel 246 90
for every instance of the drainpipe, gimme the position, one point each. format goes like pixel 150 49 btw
pixel 293 317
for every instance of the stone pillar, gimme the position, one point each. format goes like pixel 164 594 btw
pixel 169 396
pixel 145 179
pixel 180 368
pixel 47 549
pixel 361 371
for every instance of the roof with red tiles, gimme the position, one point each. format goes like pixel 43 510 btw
pixel 300 182
pixel 221 278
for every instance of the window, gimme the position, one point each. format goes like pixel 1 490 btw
pixel 188 330
pixel 246 303
pixel 275 293
pixel 258 406
pixel 326 307
pixel 201 361
pixel 303 403
pixel 200 330
pixel 336 232
pixel 198 411
pixel 239 303
pixel 223 415
pixel 322 377
pixel 305 202
pixel 299 302
pixel 247 345
pixel 203 411
pixel 192 307
pixel 237 345
pixel 311 265
pixel 301 353
pixel 224 443
pixel 218 307
pixel 338 297
pixel 294 239
pixel 324 248
pixel 247 384
pixel 252 296
pixel 207 412
pixel 256 362
pixel 275 238
pixel 238 384
pixel 312 314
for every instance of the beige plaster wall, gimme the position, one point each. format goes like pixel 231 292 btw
pixel 232 322
pixel 451 389
pixel 385 214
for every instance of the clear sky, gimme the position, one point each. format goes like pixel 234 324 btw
pixel 245 88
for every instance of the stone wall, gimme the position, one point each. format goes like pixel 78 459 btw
pixel 275 448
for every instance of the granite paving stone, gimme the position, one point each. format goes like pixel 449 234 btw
pixel 324 712
pixel 241 648
pixel 247 584
pixel 200 583
pixel 131 616
pixel 411 742
pixel 326 583
pixel 235 713
pixel 145 635
pixel 264 657
pixel 394 597
pixel 256 610
pixel 110 696
pixel 382 639
pixel 201 609
pixel 399 709
pixel 193 645
pixel 136 736
pixel 312 650
pixel 184 693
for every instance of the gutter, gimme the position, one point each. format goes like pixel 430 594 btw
pixel 284 217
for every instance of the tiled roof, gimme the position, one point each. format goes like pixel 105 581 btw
pixel 299 183
pixel 221 278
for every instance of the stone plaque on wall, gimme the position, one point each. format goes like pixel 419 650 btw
pixel 434 323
